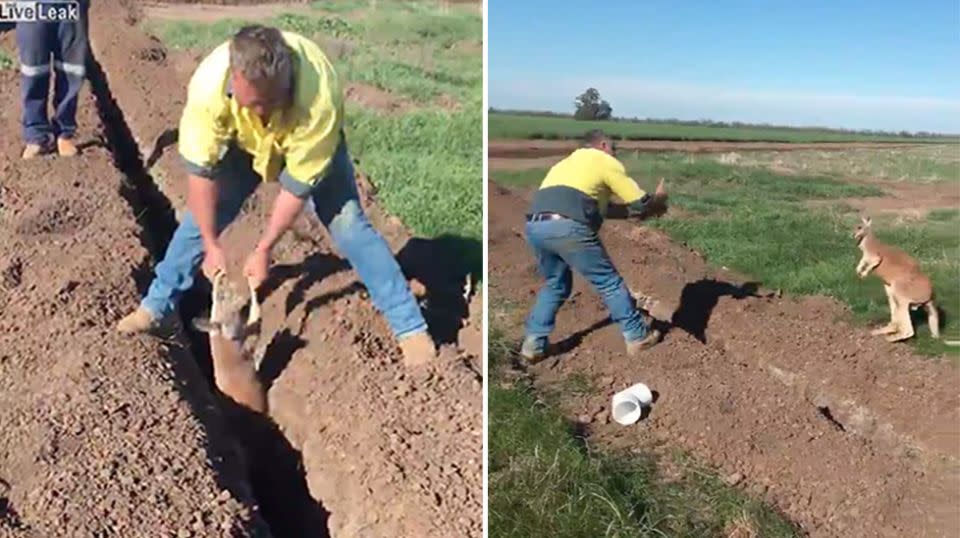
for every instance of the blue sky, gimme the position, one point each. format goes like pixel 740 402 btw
pixel 880 64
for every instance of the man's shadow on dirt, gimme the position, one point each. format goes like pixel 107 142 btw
pixel 447 266
pixel 284 344
pixel 697 301
pixel 443 265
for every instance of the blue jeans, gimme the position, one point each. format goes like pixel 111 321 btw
pixel 67 42
pixel 335 202
pixel 560 245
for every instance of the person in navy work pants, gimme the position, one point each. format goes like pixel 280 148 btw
pixel 66 42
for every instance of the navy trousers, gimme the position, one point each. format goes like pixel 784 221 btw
pixel 67 43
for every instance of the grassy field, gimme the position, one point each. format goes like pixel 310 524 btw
pixel 545 127
pixel 426 158
pixel 545 481
pixel 932 163
pixel 805 247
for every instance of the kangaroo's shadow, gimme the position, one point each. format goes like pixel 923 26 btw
pixel 698 299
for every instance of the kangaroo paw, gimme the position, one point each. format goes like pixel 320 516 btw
pixel 889 328
pixel 899 337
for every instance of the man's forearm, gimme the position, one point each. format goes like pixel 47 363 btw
pixel 286 207
pixel 202 202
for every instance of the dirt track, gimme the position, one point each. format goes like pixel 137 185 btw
pixel 98 438
pixel 846 434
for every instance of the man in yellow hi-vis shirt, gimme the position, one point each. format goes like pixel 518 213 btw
pixel 562 228
pixel 268 105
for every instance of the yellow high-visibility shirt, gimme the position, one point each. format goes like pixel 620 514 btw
pixel 579 186
pixel 302 139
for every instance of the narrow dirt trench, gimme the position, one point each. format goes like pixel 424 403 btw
pixel 274 467
pixel 387 451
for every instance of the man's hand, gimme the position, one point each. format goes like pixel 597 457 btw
pixel 214 260
pixel 257 266
pixel 657 205
pixel 661 192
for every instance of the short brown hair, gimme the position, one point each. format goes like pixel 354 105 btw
pixel 594 137
pixel 265 59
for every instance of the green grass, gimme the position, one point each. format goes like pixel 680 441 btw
pixel 522 126
pixel 919 164
pixel 545 481
pixel 427 165
pixel 762 224
pixel 944 215
pixel 6 60
pixel 426 162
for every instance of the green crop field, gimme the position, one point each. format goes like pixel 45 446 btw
pixel 424 153
pixel 519 126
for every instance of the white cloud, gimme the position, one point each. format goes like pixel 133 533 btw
pixel 660 99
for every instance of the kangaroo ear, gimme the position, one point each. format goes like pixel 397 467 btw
pixel 866 221
pixel 205 325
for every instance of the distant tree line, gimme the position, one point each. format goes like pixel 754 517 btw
pixel 590 106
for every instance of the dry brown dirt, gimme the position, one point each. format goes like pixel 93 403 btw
pixel 101 436
pixel 904 199
pixel 106 436
pixel 846 434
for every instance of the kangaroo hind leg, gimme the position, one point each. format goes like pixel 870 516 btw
pixel 891 327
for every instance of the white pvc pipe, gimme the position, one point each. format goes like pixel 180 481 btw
pixel 628 404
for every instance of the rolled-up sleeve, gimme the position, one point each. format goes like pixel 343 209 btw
pixel 309 150
pixel 204 125
pixel 620 183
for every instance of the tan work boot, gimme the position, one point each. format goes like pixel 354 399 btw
pixel 66 147
pixel 32 151
pixel 533 349
pixel 418 350
pixel 652 339
pixel 140 320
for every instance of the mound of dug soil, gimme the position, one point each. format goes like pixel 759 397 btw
pixel 846 434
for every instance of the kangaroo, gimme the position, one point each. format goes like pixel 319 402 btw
pixel 233 369
pixel 903 280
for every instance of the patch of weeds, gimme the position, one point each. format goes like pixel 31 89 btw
pixel 314 26
pixel 943 215
pixel 185 35
pixel 427 166
pixel 425 25
pixel 6 60
pixel 578 384
pixel 544 481
pixel 339 6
